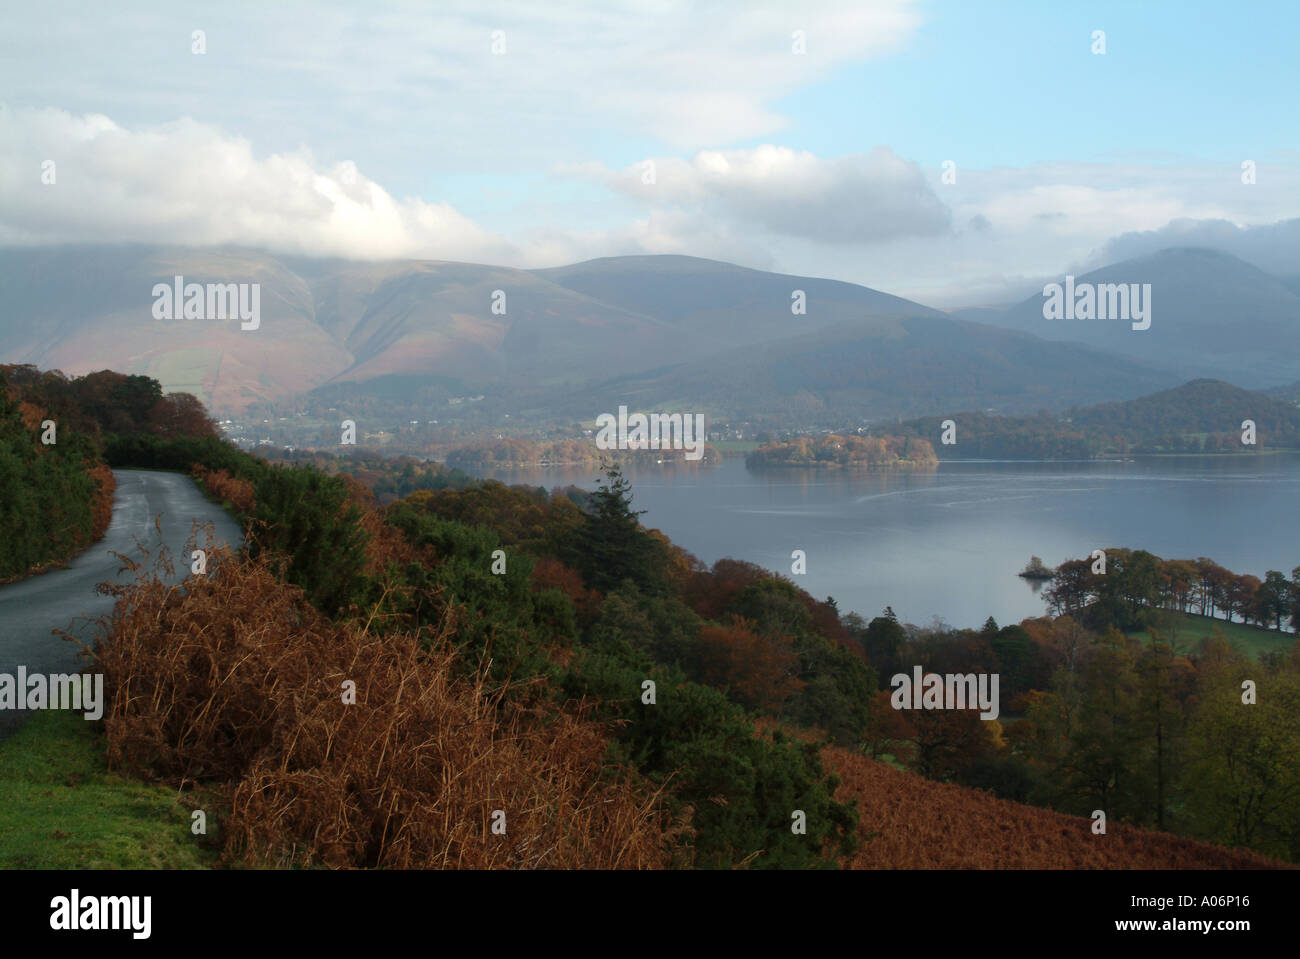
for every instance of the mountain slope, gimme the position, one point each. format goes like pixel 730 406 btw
pixel 910 822
pixel 720 306
pixel 1212 315
pixel 1201 406
pixel 331 321
pixel 82 309
pixel 602 332
pixel 885 366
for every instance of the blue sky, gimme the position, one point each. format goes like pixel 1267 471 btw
pixel 1015 83
pixel 395 130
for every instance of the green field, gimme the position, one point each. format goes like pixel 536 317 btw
pixel 60 807
pixel 185 370
pixel 1185 630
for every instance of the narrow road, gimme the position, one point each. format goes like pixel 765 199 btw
pixel 64 598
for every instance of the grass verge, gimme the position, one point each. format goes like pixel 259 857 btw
pixel 61 807
pixel 1184 630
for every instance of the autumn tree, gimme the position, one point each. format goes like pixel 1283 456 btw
pixel 1244 780
pixel 181 414
pixel 1164 685
pixel 757 670
pixel 1100 766
pixel 889 730
pixel 946 742
pixel 1071 589
pixel 1273 598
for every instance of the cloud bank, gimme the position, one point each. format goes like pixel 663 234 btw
pixel 188 183
pixel 857 199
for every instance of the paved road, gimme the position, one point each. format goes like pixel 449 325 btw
pixel 31 608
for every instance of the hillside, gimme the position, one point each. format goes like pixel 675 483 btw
pixel 330 321
pixel 721 305
pixel 404 338
pixel 1201 406
pixel 81 309
pixel 746 669
pixel 885 366
pixel 910 822
pixel 1200 416
pixel 1212 315
pixel 1288 393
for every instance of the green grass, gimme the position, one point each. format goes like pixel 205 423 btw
pixel 1185 630
pixel 60 807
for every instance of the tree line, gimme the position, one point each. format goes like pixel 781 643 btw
pixel 1118 590
pixel 1203 416
pixel 1151 735
pixel 836 450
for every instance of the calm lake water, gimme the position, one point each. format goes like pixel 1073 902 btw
pixel 948 544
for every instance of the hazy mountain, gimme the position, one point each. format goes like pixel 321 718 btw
pixel 1288 392
pixel 80 309
pixel 1212 315
pixel 1291 282
pixel 1201 406
pixel 720 306
pixel 609 331
pixel 886 366
pixel 329 321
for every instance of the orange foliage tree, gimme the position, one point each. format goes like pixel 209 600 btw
pixel 758 670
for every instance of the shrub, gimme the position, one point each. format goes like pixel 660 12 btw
pixel 237 679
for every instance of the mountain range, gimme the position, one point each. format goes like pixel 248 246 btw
pixel 1212 315
pixel 648 331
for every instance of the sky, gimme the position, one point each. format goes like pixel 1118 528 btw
pixel 957 153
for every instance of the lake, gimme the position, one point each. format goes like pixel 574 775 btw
pixel 949 543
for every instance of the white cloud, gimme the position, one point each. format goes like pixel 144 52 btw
pixel 1273 247
pixel 1042 220
pixel 874 219
pixel 857 199
pixel 188 183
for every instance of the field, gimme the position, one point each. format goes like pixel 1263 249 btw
pixel 60 808
pixel 1185 630
pixel 186 369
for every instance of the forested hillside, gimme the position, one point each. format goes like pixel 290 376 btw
pixel 384 686
pixel 1203 416
pixel 1208 409
pixel 1155 732
pixel 543 613
pixel 560 599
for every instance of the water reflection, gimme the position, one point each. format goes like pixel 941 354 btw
pixel 949 543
